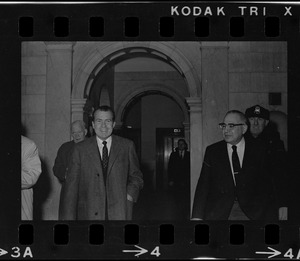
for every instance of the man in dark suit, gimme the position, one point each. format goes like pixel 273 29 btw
pixel 179 166
pixel 263 131
pixel 78 132
pixel 234 183
pixel 104 178
pixel 179 179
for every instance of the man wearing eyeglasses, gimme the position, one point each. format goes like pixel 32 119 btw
pixel 234 183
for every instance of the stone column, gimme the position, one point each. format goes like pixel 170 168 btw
pixel 186 126
pixel 215 89
pixel 195 141
pixel 58 115
pixel 77 109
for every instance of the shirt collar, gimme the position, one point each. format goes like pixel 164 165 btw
pixel 239 145
pixel 108 140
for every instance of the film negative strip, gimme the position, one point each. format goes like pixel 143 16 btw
pixel 177 83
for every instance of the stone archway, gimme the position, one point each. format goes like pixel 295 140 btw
pixel 105 52
pixel 99 53
pixel 129 96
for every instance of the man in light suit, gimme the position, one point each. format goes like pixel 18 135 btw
pixel 103 179
pixel 30 173
pixel 234 183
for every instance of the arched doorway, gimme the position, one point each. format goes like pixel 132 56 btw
pixel 124 74
pixel 154 121
pixel 103 54
pixel 148 95
pixel 175 52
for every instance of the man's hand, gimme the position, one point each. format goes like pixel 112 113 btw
pixel 129 207
pixel 129 198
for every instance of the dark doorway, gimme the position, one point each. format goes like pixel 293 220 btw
pixel 154 122
pixel 133 134
pixel 166 142
pixel 164 202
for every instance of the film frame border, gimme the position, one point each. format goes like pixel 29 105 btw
pixel 43 31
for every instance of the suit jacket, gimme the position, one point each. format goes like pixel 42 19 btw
pixel 62 160
pixel 179 170
pixel 84 195
pixel 215 192
pixel 277 163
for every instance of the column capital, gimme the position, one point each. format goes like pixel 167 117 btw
pixel 194 103
pixel 78 104
pixel 59 46
pixel 78 101
pixel 186 125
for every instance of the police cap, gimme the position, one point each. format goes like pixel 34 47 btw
pixel 257 111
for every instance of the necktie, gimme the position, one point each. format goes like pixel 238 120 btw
pixel 236 168
pixel 104 158
pixel 235 161
pixel 104 166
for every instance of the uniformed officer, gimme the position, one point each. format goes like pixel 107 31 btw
pixel 262 130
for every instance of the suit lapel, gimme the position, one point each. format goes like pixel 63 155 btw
pixel 224 160
pixel 247 155
pixel 94 154
pixel 114 151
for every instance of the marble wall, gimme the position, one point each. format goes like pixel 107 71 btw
pixel 238 75
pixel 33 95
pixel 46 113
pixel 255 69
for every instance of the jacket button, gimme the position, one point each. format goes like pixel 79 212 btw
pixel 98 174
pixel 96 213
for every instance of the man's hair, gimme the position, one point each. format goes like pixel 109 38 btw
pixel 80 122
pixel 183 140
pixel 242 115
pixel 104 108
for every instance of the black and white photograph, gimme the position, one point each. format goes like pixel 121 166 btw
pixel 168 101
pixel 151 130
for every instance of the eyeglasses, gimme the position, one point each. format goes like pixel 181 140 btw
pixel 230 125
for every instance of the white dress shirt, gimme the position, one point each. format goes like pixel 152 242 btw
pixel 240 148
pixel 100 144
pixel 181 153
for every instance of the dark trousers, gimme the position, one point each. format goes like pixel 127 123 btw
pixel 237 213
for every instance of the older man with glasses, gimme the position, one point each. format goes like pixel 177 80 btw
pixel 234 183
